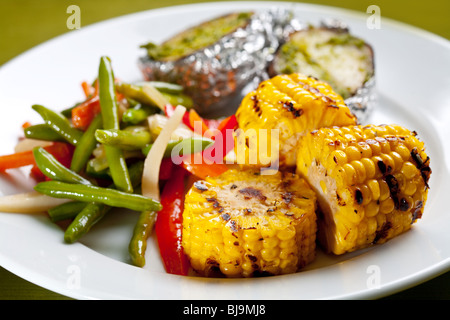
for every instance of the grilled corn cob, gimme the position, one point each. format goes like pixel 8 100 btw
pixel 294 104
pixel 371 183
pixel 242 224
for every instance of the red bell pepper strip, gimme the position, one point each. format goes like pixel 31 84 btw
pixel 166 168
pixel 204 168
pixel 225 143
pixel 84 113
pixel 169 224
pixel 225 128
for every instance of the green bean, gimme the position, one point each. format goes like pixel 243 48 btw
pixel 90 193
pixel 130 138
pixel 181 98
pixel 141 232
pixel 83 222
pixel 135 92
pixel 110 116
pixel 98 169
pixel 53 169
pixel 138 113
pixel 185 146
pixel 42 131
pixel 94 212
pixel 99 164
pixel 59 124
pixel 66 210
pixel 86 145
pixel 171 93
pixel 163 87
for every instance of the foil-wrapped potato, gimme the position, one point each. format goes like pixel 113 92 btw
pixel 215 60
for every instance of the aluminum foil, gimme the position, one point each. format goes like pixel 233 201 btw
pixel 218 76
pixel 362 103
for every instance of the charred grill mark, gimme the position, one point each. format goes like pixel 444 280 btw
pixel 289 106
pixel 403 205
pixel 215 204
pixel 200 186
pixel 259 273
pixel 256 107
pixel 383 232
pixel 233 226
pixel 393 189
pixel 423 166
pixel 287 196
pixel 225 216
pixel 250 192
pixel 417 213
pixel 383 168
pixel 340 201
pixel 359 196
pixel 213 268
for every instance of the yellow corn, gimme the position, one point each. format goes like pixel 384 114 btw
pixel 371 183
pixel 293 104
pixel 244 224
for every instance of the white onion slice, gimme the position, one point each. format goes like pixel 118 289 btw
pixel 150 176
pixel 29 202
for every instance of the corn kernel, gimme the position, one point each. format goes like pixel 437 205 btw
pixel 353 153
pixel 366 151
pixel 366 193
pixel 388 163
pixel 403 151
pixel 269 253
pixel 387 205
pixel 350 174
pixel 374 188
pixel 397 158
pixel 377 161
pixel 372 209
pixel 360 171
pixel 339 157
pixel 409 170
pixel 384 190
pixel 409 188
pixel 384 145
pixel 369 166
pixel 286 234
pixel 375 146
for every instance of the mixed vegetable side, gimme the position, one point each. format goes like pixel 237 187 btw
pixel 126 146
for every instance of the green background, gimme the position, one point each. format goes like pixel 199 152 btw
pixel 25 24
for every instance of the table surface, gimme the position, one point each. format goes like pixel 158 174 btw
pixel 24 24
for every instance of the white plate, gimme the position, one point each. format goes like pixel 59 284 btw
pixel 413 81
